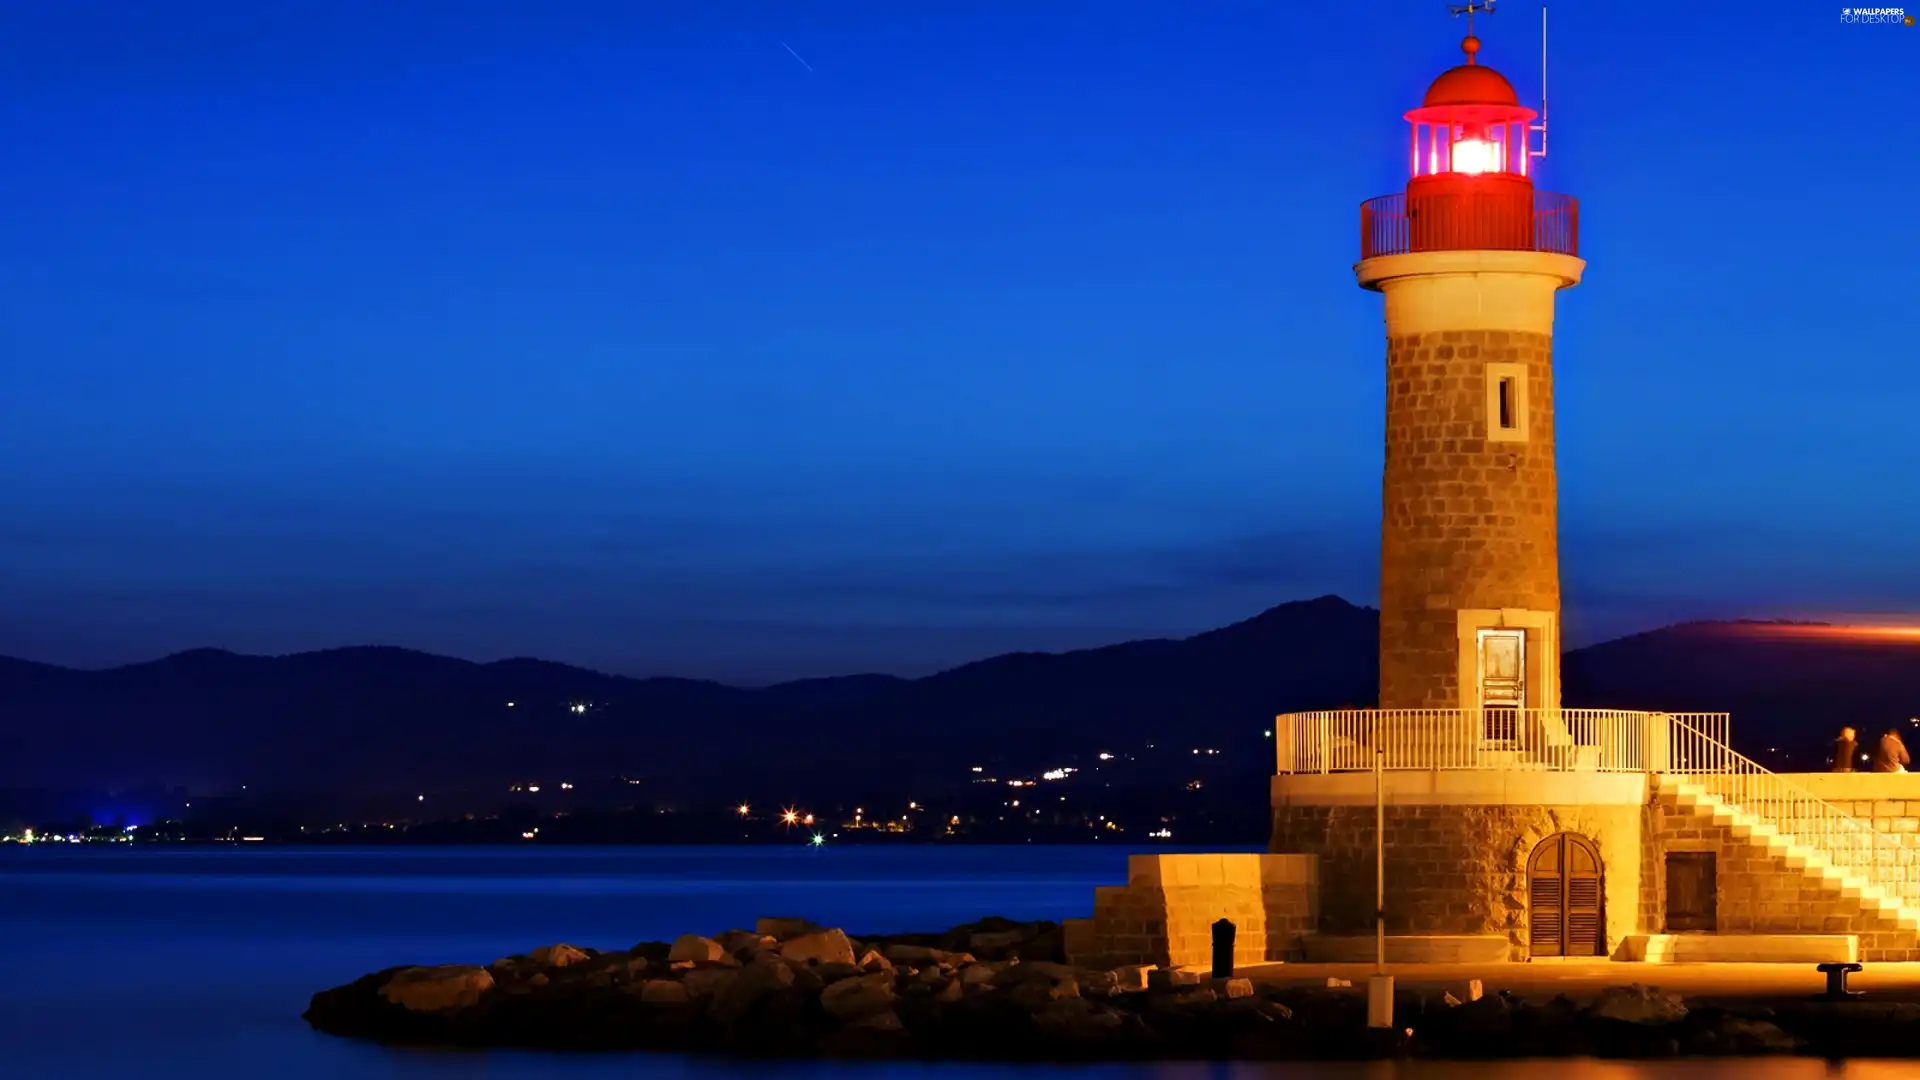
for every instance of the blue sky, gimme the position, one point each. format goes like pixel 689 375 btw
pixel 614 334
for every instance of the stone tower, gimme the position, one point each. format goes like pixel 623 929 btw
pixel 1468 259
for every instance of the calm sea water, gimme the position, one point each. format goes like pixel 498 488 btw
pixel 165 963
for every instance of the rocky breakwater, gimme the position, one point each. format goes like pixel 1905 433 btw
pixel 995 990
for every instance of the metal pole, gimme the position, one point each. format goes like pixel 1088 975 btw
pixel 1379 862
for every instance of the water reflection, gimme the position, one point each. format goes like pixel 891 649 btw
pixel 1703 1069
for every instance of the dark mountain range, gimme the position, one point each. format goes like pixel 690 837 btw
pixel 390 718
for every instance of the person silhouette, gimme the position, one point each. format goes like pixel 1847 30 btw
pixel 1891 754
pixel 1846 750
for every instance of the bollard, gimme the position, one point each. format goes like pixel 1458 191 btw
pixel 1837 981
pixel 1223 932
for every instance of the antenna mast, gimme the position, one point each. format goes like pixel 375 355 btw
pixel 1541 127
pixel 1469 9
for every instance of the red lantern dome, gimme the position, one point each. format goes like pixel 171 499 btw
pixel 1469 187
pixel 1471 122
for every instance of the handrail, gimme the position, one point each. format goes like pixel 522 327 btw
pixel 1552 740
pixel 1847 842
pixel 1457 220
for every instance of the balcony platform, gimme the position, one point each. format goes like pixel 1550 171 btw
pixel 1495 740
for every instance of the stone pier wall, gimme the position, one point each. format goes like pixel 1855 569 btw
pixel 1458 869
pixel 1165 913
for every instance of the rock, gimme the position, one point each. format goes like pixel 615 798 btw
pixel 1078 1019
pixel 1035 993
pixel 995 942
pixel 922 954
pixel 1132 978
pixel 753 982
pixel 781 929
pixel 979 974
pixel 707 980
pixel 663 992
pixel 1449 1000
pixel 1337 984
pixel 539 980
pixel 557 956
pixel 1231 989
pixel 954 990
pixel 1636 1004
pixel 831 973
pixel 437 989
pixel 873 961
pixel 1185 998
pixel 1097 983
pixel 743 943
pixel 819 947
pixel 1169 978
pixel 1747 1036
pixel 694 949
pixel 861 996
pixel 880 1021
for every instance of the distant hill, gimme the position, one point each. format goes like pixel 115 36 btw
pixel 376 717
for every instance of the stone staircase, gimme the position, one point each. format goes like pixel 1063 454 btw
pixel 1847 873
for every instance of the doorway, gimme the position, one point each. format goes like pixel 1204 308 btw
pixel 1563 898
pixel 1502 664
pixel 1692 892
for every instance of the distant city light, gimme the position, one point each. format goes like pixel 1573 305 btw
pixel 564 786
pixel 807 820
pixel 790 817
pixel 977 768
pixel 1162 833
pixel 818 840
pixel 529 834
pixel 420 798
pixel 1104 756
pixel 742 809
pixel 1056 774
pixel 533 787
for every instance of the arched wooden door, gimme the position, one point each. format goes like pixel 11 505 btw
pixel 1563 893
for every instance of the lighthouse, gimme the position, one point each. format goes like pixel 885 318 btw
pixel 1471 817
pixel 1469 259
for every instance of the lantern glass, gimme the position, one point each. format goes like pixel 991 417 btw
pixel 1475 154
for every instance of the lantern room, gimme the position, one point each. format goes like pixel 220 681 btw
pixel 1469 186
pixel 1471 123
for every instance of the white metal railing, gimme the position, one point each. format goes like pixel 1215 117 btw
pixel 1556 740
pixel 1703 758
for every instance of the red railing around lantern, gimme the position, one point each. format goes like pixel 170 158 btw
pixel 1469 222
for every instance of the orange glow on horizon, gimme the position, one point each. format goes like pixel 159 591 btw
pixel 1887 632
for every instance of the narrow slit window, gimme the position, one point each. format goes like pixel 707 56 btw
pixel 1506 389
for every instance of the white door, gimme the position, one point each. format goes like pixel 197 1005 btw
pixel 1503 682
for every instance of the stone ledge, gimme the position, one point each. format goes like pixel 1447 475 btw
pixel 1410 949
pixel 1741 948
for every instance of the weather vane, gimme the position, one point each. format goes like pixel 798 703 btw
pixel 1469 9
